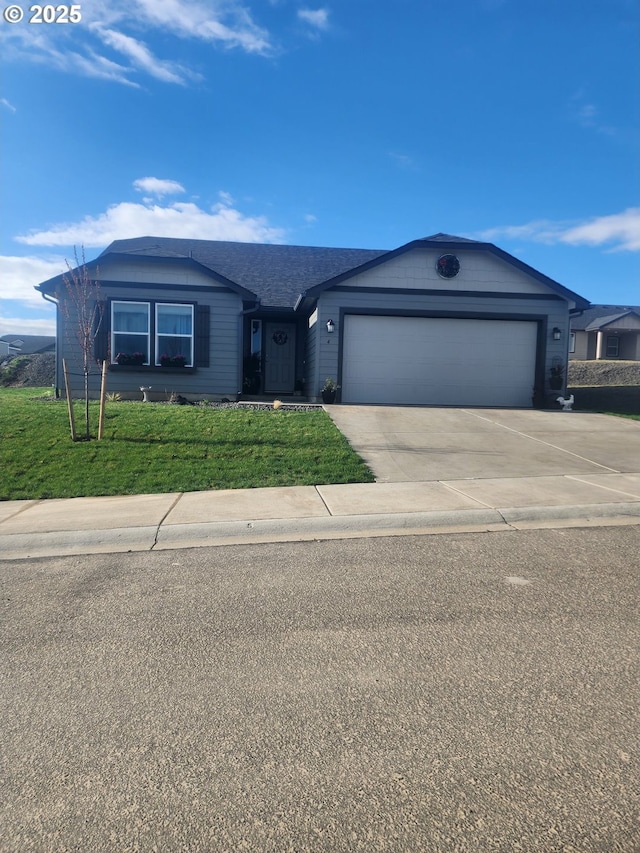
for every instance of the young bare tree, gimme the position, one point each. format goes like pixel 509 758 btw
pixel 82 309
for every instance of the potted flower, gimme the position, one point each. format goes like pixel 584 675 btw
pixel 329 390
pixel 173 360
pixel 556 379
pixel 136 358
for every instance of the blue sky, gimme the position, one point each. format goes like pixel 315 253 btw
pixel 357 123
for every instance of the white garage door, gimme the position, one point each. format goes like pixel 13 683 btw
pixel 434 361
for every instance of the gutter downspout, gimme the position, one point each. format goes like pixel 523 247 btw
pixel 50 299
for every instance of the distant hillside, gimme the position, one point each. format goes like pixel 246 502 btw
pixel 29 371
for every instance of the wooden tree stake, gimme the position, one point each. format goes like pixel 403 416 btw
pixel 72 422
pixel 103 395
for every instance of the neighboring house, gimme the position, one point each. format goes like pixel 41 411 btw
pixel 439 321
pixel 606 331
pixel 26 344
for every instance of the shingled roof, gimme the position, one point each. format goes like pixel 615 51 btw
pixel 286 277
pixel 28 344
pixel 276 274
pixel 601 315
pixel 279 274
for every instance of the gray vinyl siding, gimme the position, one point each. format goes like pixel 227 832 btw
pixel 310 370
pixel 360 301
pixel 220 379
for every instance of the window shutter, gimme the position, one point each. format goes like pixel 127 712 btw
pixel 101 327
pixel 202 335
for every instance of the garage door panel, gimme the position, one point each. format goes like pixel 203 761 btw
pixel 443 361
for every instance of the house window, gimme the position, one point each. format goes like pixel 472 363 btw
pixel 142 332
pixel 572 342
pixel 174 331
pixel 130 329
pixel 256 337
pixel 613 343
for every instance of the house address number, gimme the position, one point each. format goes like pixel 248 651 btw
pixel 48 14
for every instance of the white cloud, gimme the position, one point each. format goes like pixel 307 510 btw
pixel 84 48
pixel 587 115
pixel 140 55
pixel 318 18
pixel 5 103
pixel 618 231
pixel 39 47
pixel 180 219
pixel 540 231
pixel 621 229
pixel 228 23
pixel 158 186
pixel 20 275
pixel 27 325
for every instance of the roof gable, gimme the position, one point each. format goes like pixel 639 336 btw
pixel 598 316
pixel 603 322
pixel 112 254
pixel 443 242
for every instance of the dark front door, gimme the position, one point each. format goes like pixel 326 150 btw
pixel 280 358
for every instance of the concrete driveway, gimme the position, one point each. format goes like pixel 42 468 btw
pixel 413 444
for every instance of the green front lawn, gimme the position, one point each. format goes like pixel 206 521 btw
pixel 153 447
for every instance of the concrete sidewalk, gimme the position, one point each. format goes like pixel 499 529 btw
pixel 157 522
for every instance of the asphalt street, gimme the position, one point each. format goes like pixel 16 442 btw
pixel 470 692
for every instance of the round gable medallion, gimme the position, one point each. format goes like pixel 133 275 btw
pixel 448 266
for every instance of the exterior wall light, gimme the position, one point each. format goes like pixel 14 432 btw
pixel 557 333
pixel 331 327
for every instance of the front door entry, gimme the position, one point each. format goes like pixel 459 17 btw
pixel 280 358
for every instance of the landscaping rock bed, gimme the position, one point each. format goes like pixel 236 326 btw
pixel 599 373
pixel 605 386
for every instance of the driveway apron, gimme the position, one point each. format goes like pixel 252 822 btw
pixel 416 444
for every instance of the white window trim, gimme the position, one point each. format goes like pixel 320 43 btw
pixel 191 337
pixel 146 335
pixel 151 336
